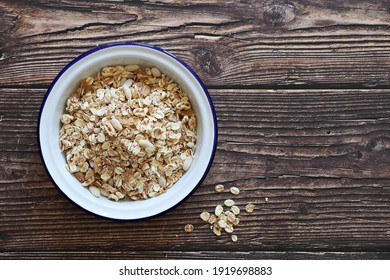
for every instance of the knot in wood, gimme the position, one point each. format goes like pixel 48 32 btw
pixel 279 14
pixel 208 62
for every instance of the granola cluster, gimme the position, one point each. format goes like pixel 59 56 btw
pixel 128 132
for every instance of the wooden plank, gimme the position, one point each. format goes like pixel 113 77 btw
pixel 314 162
pixel 264 133
pixel 342 219
pixel 261 44
pixel 210 255
pixel 275 133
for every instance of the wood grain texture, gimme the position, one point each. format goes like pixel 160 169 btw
pixel 314 162
pixel 299 44
pixel 302 96
pixel 158 255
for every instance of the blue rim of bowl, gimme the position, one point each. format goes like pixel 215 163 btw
pixel 105 46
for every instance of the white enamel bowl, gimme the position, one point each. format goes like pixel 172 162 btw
pixel 89 64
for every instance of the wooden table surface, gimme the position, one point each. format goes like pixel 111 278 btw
pixel 301 91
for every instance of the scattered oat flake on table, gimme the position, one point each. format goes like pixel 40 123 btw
pixel 219 188
pixel 212 219
pixel 218 210
pixel 229 202
pixel 217 230
pixel 249 208
pixel 222 221
pixel 234 190
pixel 188 228
pixel 205 216
pixel 229 228
pixel 235 210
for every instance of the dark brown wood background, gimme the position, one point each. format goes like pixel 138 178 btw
pixel 301 90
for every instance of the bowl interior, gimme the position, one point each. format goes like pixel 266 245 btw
pixel 89 64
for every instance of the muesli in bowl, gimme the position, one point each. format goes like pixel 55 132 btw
pixel 128 132
pixel 133 125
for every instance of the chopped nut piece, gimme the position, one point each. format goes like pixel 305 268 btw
pixel 234 190
pixel 234 238
pixel 229 202
pixel 249 208
pixel 205 216
pixel 219 188
pixel 188 228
